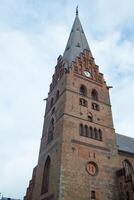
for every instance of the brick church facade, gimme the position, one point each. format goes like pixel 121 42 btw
pixel 81 157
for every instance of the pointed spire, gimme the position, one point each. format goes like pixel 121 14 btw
pixel 77 11
pixel 77 42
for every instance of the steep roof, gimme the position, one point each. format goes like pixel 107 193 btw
pixel 77 42
pixel 125 143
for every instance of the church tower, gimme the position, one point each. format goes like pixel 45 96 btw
pixel 78 153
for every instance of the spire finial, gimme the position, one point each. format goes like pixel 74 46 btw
pixel 77 11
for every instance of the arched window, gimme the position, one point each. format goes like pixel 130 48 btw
pixel 90 117
pixel 81 131
pixel 52 102
pixel 94 95
pixel 90 132
pixel 51 131
pixel 83 90
pixel 46 176
pixel 128 169
pixel 100 135
pixel 57 95
pixel 95 134
pixel 86 130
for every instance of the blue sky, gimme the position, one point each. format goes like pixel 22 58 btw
pixel 32 35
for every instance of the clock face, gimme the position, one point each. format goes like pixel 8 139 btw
pixel 87 74
pixel 91 168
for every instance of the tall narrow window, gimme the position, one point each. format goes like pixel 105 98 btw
pixel 94 95
pixel 51 131
pixel 93 196
pixel 57 95
pixel 128 170
pixel 100 135
pixel 83 90
pixel 86 130
pixel 95 134
pixel 52 102
pixel 81 131
pixel 90 132
pixel 46 176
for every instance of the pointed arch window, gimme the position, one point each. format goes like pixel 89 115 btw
pixel 95 134
pixel 90 131
pixel 51 131
pixel 81 131
pixel 128 170
pixel 46 176
pixel 57 95
pixel 94 95
pixel 90 117
pixel 100 135
pixel 83 90
pixel 86 131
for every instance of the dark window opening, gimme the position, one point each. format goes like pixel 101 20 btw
pixel 100 135
pixel 90 132
pixel 95 106
pixel 52 102
pixel 81 130
pixel 128 170
pixel 57 95
pixel 83 90
pixel 127 196
pixel 90 117
pixel 93 195
pixel 67 48
pixel 83 102
pixel 46 176
pixel 86 131
pixel 95 134
pixel 94 95
pixel 51 131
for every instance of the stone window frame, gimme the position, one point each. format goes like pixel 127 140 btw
pixel 83 90
pixel 46 176
pixel 90 132
pixel 83 102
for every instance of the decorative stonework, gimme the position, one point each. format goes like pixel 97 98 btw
pixel 92 168
pixel 85 63
pixel 60 69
